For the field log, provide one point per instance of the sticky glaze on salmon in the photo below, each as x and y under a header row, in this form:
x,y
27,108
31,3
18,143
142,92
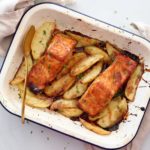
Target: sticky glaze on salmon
x,y
106,85
47,67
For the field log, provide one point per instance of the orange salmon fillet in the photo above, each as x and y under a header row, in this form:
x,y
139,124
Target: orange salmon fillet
x,y
106,85
47,67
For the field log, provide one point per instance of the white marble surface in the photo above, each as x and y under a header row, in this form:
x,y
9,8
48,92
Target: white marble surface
x,y
15,136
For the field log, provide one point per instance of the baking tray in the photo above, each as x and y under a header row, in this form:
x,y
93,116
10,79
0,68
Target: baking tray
x,y
68,19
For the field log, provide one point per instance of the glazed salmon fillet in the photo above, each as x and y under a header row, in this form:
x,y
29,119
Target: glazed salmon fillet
x,y
45,70
106,85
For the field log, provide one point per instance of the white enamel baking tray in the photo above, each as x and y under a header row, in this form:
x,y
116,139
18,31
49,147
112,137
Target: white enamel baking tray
x,y
69,19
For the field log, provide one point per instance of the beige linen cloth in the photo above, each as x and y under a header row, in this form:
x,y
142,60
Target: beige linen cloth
x,y
11,12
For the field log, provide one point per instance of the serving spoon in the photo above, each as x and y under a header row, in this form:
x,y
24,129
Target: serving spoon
x,y
26,52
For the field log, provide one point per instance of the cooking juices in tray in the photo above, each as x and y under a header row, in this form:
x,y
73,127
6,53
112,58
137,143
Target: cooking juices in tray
x,y
80,76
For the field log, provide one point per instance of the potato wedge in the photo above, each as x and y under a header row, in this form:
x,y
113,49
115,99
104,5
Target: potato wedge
x,y
112,114
94,128
91,74
59,86
27,41
41,38
111,50
38,102
32,100
71,112
21,72
82,39
75,59
61,104
85,64
76,91
133,82
93,50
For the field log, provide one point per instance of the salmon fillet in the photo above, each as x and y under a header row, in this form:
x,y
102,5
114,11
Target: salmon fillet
x,y
47,67
61,47
106,85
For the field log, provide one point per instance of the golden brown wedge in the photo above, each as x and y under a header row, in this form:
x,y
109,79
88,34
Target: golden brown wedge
x,y
94,128
41,38
37,101
76,91
59,86
133,82
85,64
92,73
82,39
71,112
21,72
112,51
75,59
93,50
112,114
61,104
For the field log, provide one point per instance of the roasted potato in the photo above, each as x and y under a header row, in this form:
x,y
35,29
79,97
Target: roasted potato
x,y
112,114
133,82
59,86
82,39
76,91
41,38
71,112
21,72
93,50
75,59
37,101
85,64
61,104
94,128
111,50
91,74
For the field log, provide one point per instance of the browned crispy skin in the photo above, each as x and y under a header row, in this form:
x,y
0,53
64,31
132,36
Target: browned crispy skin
x,y
47,67
102,90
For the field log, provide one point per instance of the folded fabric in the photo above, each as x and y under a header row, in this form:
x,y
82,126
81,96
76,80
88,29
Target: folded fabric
x,y
10,14
142,28
9,17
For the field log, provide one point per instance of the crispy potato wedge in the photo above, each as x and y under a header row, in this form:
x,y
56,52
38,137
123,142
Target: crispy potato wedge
x,y
41,38
91,74
92,50
21,72
76,91
61,104
85,64
37,101
71,112
27,41
112,114
94,128
111,50
59,86
82,39
75,59
133,82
